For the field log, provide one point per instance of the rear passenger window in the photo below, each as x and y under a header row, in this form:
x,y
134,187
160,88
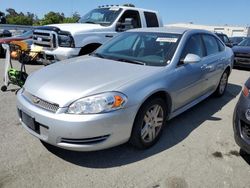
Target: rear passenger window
x,y
151,19
211,44
194,45
221,46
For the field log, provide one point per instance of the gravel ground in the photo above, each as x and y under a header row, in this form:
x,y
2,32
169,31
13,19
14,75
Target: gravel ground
x,y
197,149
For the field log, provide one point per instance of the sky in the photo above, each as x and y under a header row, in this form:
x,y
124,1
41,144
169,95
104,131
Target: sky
x,y
208,12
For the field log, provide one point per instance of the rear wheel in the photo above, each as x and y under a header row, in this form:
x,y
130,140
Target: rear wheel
x,y
149,123
222,85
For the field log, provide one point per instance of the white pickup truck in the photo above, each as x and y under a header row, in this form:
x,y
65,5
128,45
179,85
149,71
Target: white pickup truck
x,y
62,41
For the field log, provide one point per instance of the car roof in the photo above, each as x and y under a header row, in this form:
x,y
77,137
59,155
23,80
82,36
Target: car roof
x,y
168,29
128,7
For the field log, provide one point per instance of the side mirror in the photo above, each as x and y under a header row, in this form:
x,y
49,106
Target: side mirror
x,y
191,58
126,25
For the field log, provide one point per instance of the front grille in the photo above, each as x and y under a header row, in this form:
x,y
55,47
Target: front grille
x,y
40,102
85,141
245,129
243,55
45,38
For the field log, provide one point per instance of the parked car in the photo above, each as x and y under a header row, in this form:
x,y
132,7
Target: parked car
x,y
236,40
125,90
25,36
3,33
63,41
241,119
242,54
225,39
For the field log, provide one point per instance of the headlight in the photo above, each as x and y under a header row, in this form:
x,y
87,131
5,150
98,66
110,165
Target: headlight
x,y
248,114
100,103
66,41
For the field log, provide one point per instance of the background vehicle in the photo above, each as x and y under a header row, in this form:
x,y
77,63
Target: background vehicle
x,y
3,33
236,40
225,39
241,119
62,41
242,53
25,36
125,90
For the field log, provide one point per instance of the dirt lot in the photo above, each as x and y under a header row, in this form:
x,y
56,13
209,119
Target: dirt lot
x,y
197,149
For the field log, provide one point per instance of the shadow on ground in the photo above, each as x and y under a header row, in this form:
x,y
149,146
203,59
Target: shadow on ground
x,y
177,130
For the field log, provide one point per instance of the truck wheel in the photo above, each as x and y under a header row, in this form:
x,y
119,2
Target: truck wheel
x,y
148,123
222,85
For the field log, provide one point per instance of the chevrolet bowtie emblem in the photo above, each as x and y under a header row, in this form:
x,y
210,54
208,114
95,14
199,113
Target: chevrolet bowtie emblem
x,y
36,100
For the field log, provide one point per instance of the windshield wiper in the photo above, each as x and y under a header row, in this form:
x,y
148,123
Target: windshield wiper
x,y
131,61
97,55
90,22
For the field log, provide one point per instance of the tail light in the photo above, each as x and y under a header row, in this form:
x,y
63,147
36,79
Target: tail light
x,y
245,91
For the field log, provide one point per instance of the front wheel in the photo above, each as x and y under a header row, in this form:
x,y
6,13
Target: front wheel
x,y
148,124
222,85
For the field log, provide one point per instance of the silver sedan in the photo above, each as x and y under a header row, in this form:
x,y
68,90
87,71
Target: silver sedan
x,y
126,90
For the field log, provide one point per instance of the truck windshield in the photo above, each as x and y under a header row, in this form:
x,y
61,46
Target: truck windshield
x,y
245,42
146,48
102,16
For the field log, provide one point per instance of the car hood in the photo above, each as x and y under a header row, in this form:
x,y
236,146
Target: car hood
x,y
66,81
241,49
75,28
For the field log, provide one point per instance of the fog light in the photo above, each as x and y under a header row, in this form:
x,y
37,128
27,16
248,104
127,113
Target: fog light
x,y
248,114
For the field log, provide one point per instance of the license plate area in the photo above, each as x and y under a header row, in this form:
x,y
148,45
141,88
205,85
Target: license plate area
x,y
30,122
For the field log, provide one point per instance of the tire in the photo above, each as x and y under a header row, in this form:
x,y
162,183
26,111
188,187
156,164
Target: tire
x,y
146,129
4,88
222,85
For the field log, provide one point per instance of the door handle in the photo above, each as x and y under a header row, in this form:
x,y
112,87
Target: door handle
x,y
207,67
109,36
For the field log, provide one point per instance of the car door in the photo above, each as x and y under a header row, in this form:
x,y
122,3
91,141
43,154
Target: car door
x,y
213,62
189,78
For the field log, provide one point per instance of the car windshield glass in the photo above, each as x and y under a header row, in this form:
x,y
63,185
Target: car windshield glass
x,y
26,34
245,42
145,48
102,16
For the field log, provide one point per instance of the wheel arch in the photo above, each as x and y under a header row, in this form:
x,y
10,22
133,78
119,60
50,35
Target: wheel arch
x,y
159,94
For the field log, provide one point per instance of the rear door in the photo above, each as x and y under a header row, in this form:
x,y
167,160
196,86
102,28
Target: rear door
x,y
213,61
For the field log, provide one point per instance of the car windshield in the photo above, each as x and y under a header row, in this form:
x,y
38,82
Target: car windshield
x,y
245,42
26,34
153,49
102,16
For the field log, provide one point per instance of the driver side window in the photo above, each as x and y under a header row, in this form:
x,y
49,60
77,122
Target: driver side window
x,y
194,45
136,21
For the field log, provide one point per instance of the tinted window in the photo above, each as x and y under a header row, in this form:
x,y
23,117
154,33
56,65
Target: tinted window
x,y
226,40
151,19
221,46
210,44
194,45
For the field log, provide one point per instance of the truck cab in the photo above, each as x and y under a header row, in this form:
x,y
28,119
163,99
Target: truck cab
x,y
63,41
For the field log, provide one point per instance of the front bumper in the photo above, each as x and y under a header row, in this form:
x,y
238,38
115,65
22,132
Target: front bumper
x,y
240,123
242,61
79,132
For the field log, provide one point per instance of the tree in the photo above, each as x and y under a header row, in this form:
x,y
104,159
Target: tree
x,y
2,18
52,18
12,17
73,19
